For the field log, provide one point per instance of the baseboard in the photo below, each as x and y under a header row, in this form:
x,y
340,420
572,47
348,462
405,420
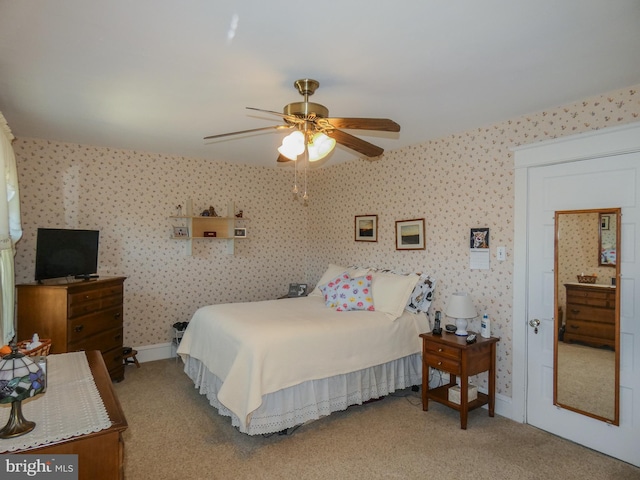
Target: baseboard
x,y
160,351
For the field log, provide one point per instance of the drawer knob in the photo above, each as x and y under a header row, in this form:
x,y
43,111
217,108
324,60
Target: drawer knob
x,y
117,315
87,297
439,349
575,311
439,363
78,328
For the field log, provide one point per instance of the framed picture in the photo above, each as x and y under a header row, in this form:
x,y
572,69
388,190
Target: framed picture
x,y
181,232
479,238
366,227
604,222
410,234
297,290
240,233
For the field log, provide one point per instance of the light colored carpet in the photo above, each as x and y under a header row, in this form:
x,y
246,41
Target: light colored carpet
x,y
586,379
175,434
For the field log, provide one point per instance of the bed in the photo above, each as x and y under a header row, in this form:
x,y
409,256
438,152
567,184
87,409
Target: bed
x,y
276,364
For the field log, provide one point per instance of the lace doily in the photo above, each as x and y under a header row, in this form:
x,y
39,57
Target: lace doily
x,y
71,405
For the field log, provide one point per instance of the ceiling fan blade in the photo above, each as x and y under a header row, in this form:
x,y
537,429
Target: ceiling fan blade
x,y
276,127
383,124
288,118
354,143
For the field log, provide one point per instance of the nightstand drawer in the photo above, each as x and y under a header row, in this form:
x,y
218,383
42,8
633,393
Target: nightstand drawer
x,y
441,362
443,350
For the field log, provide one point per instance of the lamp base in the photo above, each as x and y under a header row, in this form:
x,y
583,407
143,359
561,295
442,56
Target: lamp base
x,y
461,324
17,425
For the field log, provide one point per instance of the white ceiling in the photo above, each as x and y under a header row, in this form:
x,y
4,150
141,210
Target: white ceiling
x,y
159,75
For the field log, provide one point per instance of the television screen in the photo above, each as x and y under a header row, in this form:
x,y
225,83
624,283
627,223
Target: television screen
x,y
66,252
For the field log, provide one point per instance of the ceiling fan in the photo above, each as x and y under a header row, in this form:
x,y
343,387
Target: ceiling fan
x,y
318,132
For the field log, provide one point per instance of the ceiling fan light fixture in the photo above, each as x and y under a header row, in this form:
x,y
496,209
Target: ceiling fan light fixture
x,y
292,145
320,146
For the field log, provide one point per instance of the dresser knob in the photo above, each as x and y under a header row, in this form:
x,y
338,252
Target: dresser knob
x,y
439,349
78,328
439,363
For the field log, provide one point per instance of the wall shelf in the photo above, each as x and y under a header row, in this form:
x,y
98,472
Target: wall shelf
x,y
208,228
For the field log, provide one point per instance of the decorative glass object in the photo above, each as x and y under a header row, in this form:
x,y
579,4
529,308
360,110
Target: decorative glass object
x,y
20,379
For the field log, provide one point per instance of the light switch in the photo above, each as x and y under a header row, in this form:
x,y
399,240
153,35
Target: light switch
x,y
501,254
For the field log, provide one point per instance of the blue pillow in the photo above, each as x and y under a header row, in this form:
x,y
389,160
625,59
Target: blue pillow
x,y
355,294
329,289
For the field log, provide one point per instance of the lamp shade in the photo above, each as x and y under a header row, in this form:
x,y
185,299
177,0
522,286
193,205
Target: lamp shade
x,y
460,306
320,146
20,379
292,145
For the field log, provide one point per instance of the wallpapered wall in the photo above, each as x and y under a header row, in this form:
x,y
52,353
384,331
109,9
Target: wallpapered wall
x,y
129,197
455,183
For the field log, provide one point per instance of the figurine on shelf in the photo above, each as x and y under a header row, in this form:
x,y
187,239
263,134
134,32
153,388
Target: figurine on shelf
x,y
212,212
205,213
239,214
179,211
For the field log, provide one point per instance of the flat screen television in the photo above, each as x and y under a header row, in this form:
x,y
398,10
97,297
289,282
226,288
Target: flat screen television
x,y
65,252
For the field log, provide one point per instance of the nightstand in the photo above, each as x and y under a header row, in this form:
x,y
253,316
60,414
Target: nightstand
x,y
452,354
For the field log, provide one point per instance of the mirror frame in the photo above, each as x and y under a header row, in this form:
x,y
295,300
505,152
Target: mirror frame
x,y
617,212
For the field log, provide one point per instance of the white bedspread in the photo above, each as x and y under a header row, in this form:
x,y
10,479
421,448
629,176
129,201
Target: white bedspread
x,y
258,348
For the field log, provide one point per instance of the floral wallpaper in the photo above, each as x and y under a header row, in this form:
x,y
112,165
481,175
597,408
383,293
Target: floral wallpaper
x,y
455,183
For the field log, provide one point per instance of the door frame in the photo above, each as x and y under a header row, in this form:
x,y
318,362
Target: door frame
x,y
602,143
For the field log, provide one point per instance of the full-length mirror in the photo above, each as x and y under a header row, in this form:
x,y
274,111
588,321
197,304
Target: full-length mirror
x,y
587,314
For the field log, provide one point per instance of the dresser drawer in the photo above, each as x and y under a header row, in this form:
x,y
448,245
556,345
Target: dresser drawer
x,y
103,341
588,313
590,329
603,299
88,325
115,363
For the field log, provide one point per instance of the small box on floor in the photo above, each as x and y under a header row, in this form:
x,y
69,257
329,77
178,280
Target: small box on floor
x,y
454,394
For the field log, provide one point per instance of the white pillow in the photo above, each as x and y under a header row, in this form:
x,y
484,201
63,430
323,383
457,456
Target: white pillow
x,y
332,272
391,292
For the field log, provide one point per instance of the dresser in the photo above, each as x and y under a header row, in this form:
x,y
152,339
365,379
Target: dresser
x,y
101,453
76,315
590,314
452,354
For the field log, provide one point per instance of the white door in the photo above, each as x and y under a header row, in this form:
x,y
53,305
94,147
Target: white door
x,y
608,182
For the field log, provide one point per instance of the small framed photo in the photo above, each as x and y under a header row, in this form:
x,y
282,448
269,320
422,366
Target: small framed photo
x,y
297,290
479,238
366,228
180,232
604,222
240,233
410,234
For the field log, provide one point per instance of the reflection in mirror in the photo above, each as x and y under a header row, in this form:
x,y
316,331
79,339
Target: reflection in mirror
x,y
607,240
587,360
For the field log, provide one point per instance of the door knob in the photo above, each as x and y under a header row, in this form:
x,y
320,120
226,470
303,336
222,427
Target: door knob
x,y
535,323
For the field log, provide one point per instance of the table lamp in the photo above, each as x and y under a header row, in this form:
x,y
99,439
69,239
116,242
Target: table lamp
x,y
460,307
20,379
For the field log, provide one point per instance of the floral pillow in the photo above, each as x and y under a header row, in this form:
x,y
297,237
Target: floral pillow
x,y
355,294
329,289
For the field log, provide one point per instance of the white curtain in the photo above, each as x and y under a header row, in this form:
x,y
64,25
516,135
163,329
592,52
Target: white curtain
x,y
10,231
